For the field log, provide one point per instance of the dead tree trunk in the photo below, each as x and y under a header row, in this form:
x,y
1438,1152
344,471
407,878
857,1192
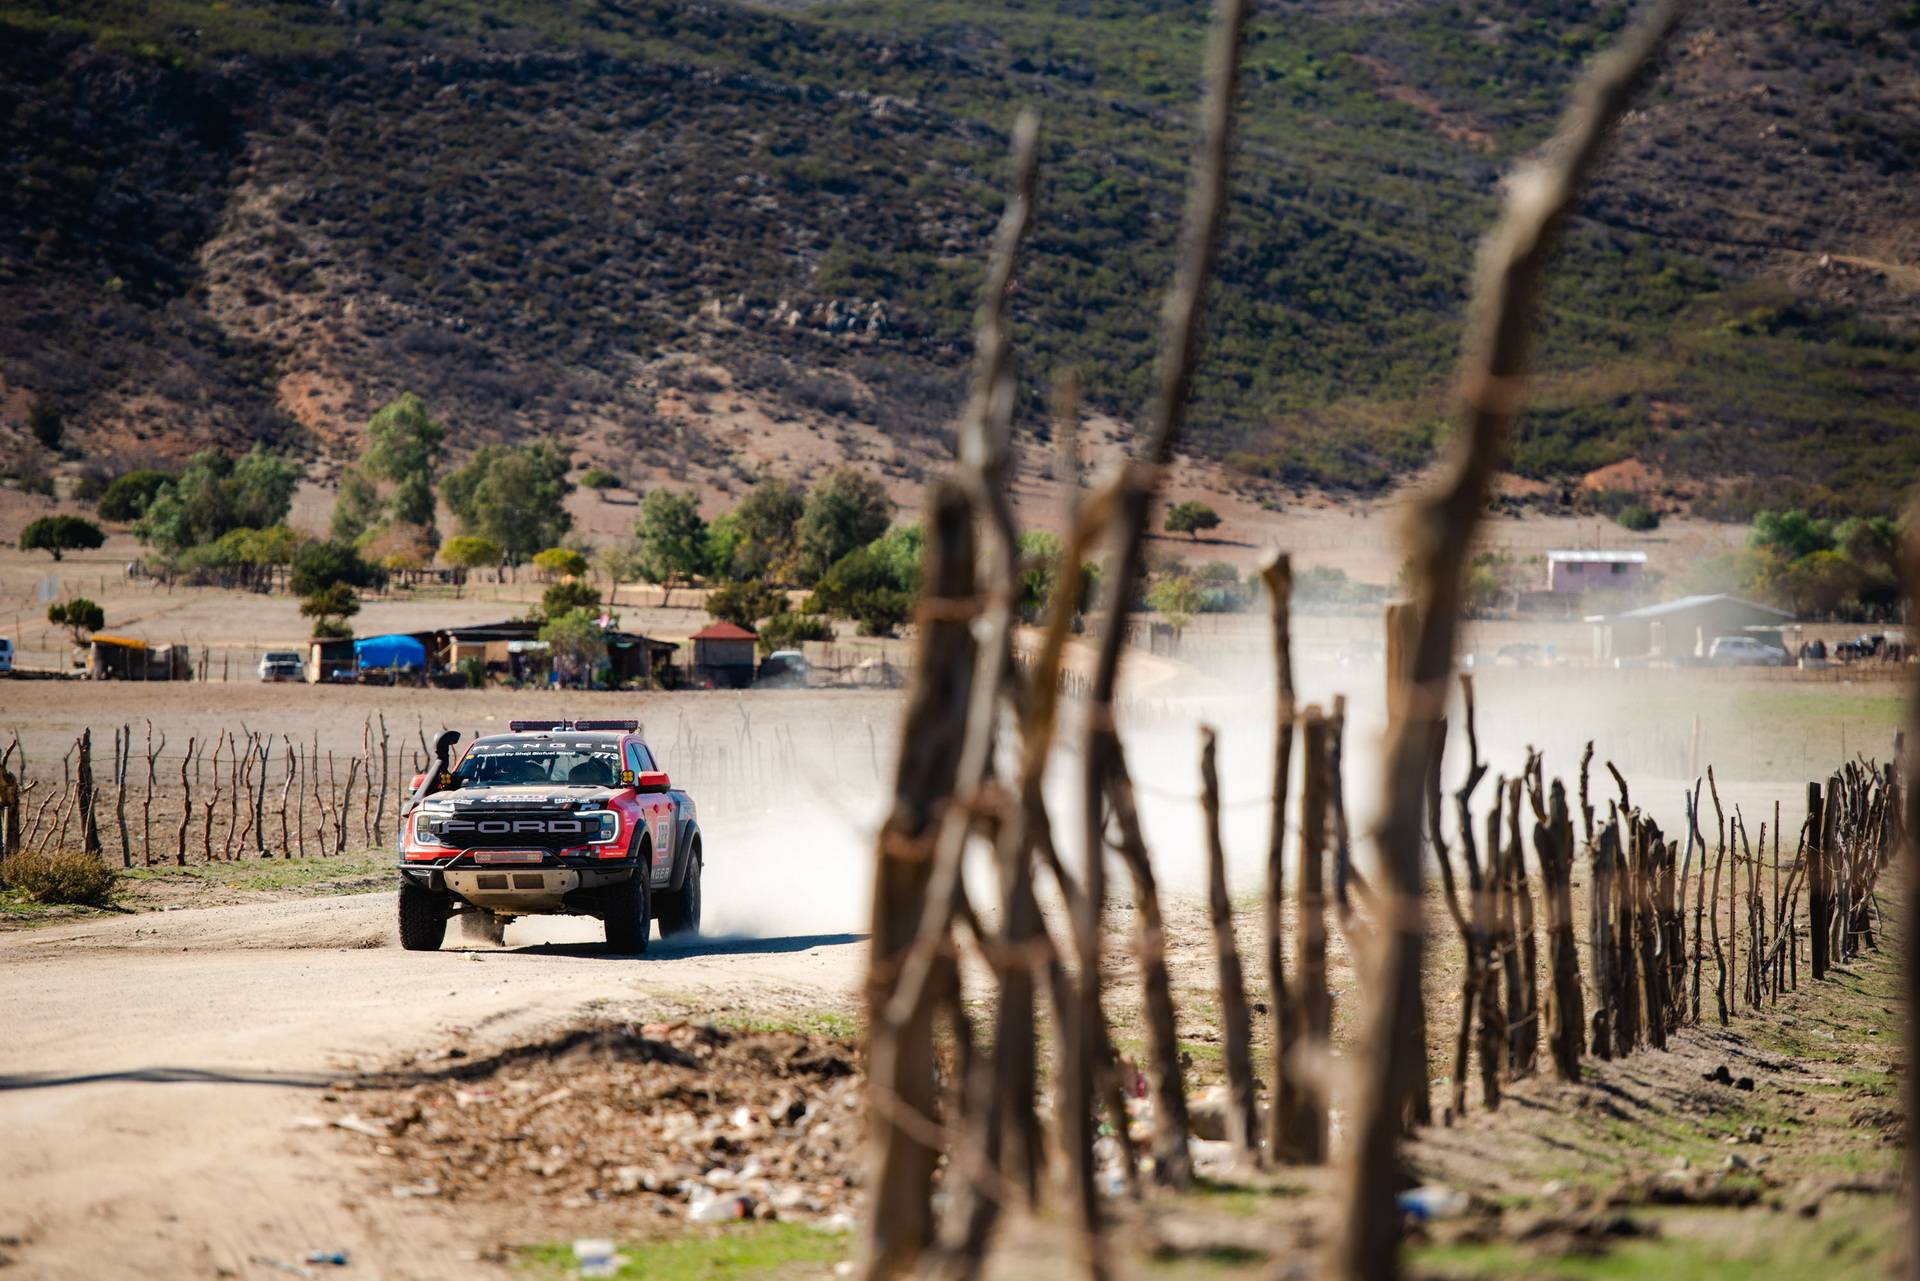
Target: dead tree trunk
x,y
1286,1099
1308,1143
1553,845
84,797
1243,1123
1172,1155
901,1092
186,807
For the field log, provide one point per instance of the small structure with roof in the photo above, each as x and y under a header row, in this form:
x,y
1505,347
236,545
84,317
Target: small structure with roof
x,y
723,656
127,658
1682,630
1571,573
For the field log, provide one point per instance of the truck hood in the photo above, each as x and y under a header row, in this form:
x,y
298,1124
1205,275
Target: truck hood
x,y
522,796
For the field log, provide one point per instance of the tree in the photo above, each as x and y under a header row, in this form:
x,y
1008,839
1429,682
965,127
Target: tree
x,y
127,496
1191,517
397,545
1637,517
329,608
621,564
788,631
79,616
576,642
1178,598
517,497
60,534
561,562
568,595
403,447
845,511
671,538
260,490
765,520
745,602
321,564
358,507
215,493
863,586
46,424
1817,583
720,546
1790,534
470,551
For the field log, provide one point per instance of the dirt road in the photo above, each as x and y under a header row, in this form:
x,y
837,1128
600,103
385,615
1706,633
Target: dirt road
x,y
162,1074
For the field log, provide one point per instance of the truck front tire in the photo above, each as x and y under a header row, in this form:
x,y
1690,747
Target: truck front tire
x,y
627,915
423,918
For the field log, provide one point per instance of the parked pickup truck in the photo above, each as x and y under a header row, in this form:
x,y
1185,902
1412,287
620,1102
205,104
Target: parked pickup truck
x,y
553,818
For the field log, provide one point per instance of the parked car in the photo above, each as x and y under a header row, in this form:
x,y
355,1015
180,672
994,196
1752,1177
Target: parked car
x,y
1519,654
6,655
784,669
282,665
1744,651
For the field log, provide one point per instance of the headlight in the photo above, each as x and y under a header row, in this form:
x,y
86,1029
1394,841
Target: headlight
x,y
424,832
602,826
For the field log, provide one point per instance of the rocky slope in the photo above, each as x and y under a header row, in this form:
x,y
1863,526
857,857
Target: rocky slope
x,y
654,226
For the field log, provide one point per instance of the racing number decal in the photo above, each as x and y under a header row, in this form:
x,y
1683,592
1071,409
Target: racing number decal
x,y
663,845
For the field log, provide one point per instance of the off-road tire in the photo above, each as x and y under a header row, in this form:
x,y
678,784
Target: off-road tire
x,y
626,912
680,912
423,918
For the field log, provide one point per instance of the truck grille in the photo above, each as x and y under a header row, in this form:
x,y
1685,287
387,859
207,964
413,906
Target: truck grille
x,y
514,830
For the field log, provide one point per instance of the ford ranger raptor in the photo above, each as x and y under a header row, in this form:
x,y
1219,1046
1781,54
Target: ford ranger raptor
x,y
554,818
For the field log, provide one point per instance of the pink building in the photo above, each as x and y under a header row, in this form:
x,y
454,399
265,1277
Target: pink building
x,y
1571,573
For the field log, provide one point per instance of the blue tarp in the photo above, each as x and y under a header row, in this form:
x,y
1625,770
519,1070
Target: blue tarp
x,y
389,652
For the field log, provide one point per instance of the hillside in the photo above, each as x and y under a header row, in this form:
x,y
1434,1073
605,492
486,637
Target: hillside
x,y
699,239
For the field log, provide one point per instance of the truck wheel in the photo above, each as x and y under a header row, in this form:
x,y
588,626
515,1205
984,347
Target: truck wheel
x,y
680,913
627,915
423,918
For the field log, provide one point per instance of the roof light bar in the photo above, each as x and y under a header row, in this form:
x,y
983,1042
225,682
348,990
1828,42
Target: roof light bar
x,y
629,726
522,727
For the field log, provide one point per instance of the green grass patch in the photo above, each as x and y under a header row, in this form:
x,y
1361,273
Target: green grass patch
x,y
716,1254
1853,1238
830,1023
264,875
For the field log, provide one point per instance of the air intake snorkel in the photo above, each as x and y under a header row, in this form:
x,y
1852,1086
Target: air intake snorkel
x,y
440,777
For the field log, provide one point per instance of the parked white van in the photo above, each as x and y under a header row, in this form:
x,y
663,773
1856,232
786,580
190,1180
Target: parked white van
x,y
6,656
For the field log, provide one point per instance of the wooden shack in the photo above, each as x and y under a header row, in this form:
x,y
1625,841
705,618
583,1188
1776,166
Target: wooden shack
x,y
126,658
723,656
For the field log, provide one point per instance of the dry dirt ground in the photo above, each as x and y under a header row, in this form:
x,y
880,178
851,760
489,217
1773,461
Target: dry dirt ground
x,y
216,1092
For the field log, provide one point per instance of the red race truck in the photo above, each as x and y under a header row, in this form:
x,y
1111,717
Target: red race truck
x,y
567,818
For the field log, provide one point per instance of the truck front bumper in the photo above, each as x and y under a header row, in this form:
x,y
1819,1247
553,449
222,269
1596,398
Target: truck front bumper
x,y
516,891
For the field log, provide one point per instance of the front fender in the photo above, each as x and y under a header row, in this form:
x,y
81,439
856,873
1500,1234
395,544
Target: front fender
x,y
685,841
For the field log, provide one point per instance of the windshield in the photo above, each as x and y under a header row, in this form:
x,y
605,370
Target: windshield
x,y
563,763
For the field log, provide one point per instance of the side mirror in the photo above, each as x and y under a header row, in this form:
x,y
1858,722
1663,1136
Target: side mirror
x,y
652,780
414,784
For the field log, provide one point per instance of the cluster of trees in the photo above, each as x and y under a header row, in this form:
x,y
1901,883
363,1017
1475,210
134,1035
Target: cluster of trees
x,y
1812,565
835,538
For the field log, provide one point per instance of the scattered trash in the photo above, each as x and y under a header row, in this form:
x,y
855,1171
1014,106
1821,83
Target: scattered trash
x,y
1719,1076
839,1221
720,1209
1433,1202
1207,1113
281,1265
336,1258
355,1124
426,1187
1210,1156
595,1257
